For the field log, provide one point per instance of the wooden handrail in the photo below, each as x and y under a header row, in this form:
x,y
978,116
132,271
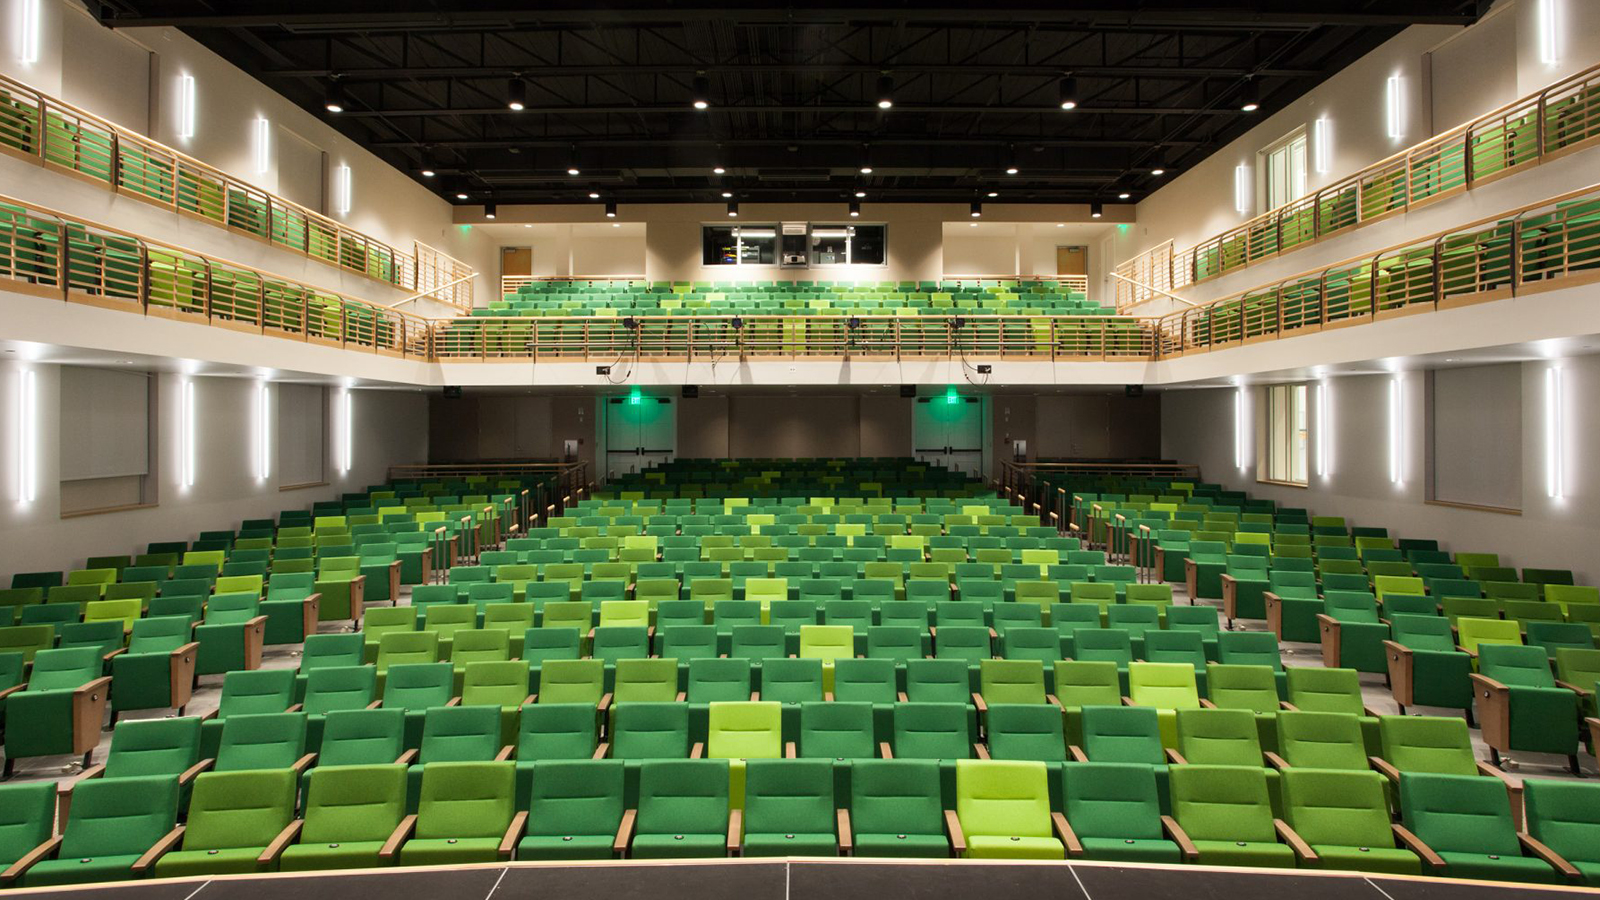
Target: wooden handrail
x,y
1424,172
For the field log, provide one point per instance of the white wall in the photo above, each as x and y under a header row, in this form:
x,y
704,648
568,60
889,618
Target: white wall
x,y
1476,69
100,69
1198,426
387,426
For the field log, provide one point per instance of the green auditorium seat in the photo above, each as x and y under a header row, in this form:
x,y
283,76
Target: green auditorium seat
x,y
1463,829
60,710
895,810
576,811
788,809
158,669
1520,706
27,823
1226,812
1342,820
465,815
239,822
168,749
683,810
353,819
1003,812
1564,819
116,830
1113,813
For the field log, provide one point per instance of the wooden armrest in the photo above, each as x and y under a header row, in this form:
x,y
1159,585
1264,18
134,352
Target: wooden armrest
x,y
94,771
1180,837
605,701
303,763
789,751
406,758
1415,845
735,831
108,657
504,754
453,701
1488,684
1572,687
17,687
529,700
977,700
901,697
1068,837
1077,753
952,825
43,851
601,750
755,696
1274,760
284,839
194,771
508,844
1175,758
1513,782
842,820
376,704
684,695
1053,700
1128,701
157,850
698,751
1384,768
1226,578
884,751
1567,870
397,836
980,751
1207,704
208,715
624,832
1369,712
1302,850
298,707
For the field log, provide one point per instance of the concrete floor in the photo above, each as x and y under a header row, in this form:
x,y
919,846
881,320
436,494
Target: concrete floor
x,y
1376,695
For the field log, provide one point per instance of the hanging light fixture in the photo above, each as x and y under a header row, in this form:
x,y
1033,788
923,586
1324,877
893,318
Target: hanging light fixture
x,y
1068,92
335,100
611,209
701,98
517,94
1250,95
885,91
733,209
976,209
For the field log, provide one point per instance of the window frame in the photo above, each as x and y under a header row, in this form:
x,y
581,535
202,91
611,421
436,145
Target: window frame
x,y
1294,188
1285,427
738,245
850,240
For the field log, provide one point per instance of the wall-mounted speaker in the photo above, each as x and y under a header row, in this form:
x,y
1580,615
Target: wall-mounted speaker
x,y
452,392
908,390
691,391
1133,390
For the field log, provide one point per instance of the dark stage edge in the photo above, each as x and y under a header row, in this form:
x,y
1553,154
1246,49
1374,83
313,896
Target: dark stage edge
x,y
841,879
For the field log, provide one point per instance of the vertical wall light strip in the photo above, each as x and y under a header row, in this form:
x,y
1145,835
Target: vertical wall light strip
x,y
27,437
1238,429
1322,426
1392,111
347,441
1547,33
28,32
1322,145
342,190
188,448
1553,437
1241,188
186,106
263,142
1396,432
263,431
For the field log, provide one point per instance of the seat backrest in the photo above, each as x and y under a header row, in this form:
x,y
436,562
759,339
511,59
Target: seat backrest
x,y
502,683
937,681
648,730
995,797
895,796
330,688
1112,800
931,731
1318,689
358,737
683,796
460,734
1564,816
1087,683
578,797
256,691
27,818
789,796
556,731
827,642
1163,685
239,810
1219,737
466,800
836,730
1011,681
864,680
353,803
1122,734
163,747
744,730
1341,809
1459,814
1436,744
1222,803
572,681
417,686
1321,740
1516,666
263,741
64,669
1026,731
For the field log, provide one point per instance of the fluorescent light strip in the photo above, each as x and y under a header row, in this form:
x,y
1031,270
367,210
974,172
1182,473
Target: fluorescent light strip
x,y
188,434
1392,106
1547,33
342,190
1396,435
263,145
1241,188
1322,145
28,37
1323,419
1553,433
263,431
186,106
349,433
1238,429
27,437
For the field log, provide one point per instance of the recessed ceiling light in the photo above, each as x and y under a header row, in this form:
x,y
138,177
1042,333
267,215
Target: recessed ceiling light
x,y
727,194
461,195
718,170
861,193
1124,195
994,193
594,195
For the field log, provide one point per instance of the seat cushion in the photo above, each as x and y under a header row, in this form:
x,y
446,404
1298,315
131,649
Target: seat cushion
x,y
449,851
679,846
1389,860
918,846
1131,850
1498,868
798,844
1245,853
79,871
335,855
999,846
565,846
208,862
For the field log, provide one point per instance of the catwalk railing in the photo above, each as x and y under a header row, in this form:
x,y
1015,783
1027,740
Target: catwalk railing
x,y
1546,245
1558,120
58,135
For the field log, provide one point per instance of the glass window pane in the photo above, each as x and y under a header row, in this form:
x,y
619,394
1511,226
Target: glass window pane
x,y
758,245
718,246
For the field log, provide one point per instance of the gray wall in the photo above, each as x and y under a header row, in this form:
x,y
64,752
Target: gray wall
x,y
794,426
1086,425
1197,426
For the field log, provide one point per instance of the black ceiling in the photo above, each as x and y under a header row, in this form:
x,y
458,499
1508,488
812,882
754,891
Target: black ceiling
x,y
793,88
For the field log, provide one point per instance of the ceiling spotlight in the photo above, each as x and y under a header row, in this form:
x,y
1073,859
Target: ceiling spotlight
x,y
718,170
1011,169
702,92
594,195
1069,93
611,209
572,161
461,195
1159,167
574,170
1096,210
976,209
733,209
334,100
993,194
517,94
866,160
1250,95
885,92
1124,195
727,194
861,193
428,172
490,211
855,209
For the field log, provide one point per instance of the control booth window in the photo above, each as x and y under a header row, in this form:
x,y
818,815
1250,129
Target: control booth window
x,y
1286,433
849,245
739,245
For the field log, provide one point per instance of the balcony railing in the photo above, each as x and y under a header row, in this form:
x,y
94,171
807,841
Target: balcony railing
x,y
511,284
36,126
1561,119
